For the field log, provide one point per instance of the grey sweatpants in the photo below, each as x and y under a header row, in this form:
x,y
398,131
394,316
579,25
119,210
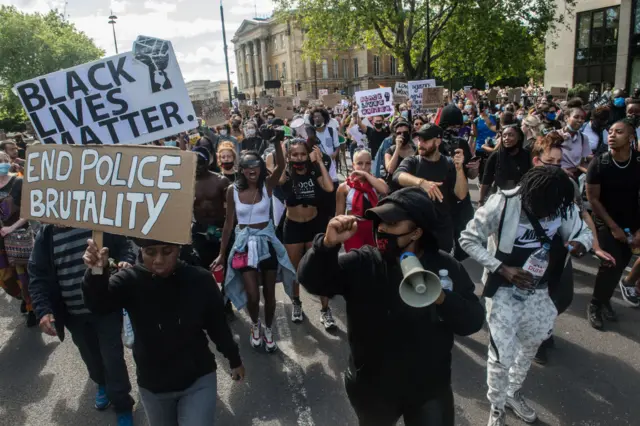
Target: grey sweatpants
x,y
194,406
517,329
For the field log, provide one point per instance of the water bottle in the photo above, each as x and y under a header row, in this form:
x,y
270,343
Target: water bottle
x,y
445,281
627,232
127,331
536,264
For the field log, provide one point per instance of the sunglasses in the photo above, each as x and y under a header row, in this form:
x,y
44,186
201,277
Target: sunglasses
x,y
249,164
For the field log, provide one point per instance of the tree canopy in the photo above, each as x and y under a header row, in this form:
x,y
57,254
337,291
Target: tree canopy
x,y
494,39
36,44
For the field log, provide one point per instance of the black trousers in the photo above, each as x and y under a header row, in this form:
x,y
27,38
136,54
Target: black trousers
x,y
99,340
374,408
608,277
562,293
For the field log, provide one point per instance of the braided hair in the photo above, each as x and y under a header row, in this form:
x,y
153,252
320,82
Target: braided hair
x,y
547,192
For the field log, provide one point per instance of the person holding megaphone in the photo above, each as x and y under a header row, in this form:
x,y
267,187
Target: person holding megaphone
x,y
400,319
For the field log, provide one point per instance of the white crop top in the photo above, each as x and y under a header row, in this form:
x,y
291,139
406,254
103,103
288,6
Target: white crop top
x,y
251,214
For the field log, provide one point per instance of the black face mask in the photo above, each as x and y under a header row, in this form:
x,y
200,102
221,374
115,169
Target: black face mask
x,y
378,125
388,244
298,165
228,166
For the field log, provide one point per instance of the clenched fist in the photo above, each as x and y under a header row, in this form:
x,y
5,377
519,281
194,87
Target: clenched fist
x,y
339,230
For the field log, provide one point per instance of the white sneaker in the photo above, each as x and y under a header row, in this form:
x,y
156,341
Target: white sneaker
x,y
497,417
297,315
521,407
269,342
629,294
255,337
326,318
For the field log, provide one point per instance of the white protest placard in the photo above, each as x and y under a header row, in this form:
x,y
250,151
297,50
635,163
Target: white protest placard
x,y
130,98
374,102
137,191
322,92
415,92
356,135
401,89
515,95
559,92
345,103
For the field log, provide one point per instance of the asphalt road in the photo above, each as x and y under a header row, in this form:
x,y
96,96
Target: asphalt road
x,y
591,379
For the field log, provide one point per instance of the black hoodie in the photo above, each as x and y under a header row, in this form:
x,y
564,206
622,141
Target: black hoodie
x,y
169,318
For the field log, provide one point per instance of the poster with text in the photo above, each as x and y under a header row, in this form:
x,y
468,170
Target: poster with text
x,y
374,102
331,100
432,97
401,89
415,92
137,191
130,98
283,107
559,92
322,92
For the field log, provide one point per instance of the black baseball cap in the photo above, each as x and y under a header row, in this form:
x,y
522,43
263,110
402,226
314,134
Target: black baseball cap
x,y
429,131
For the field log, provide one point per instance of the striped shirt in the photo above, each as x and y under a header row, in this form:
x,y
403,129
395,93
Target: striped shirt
x,y
69,245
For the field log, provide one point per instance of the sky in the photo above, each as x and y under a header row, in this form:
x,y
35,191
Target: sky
x,y
193,26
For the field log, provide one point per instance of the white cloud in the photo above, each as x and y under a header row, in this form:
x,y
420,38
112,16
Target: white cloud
x,y
160,6
118,6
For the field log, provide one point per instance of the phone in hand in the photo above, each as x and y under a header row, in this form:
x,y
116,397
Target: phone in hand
x,y
474,158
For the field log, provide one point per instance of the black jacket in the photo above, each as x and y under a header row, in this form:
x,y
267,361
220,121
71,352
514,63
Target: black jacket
x,y
403,352
44,288
169,318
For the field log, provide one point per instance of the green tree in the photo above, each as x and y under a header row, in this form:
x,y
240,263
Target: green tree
x,y
488,38
34,44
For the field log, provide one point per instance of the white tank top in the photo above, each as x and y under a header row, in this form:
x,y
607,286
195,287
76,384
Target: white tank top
x,y
350,194
251,214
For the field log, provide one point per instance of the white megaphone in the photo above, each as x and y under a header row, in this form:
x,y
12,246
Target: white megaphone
x,y
419,287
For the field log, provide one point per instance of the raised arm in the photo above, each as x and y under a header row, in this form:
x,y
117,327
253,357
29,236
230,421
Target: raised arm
x,y
274,179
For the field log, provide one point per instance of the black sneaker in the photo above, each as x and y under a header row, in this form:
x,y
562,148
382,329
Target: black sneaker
x,y
23,307
594,315
608,313
32,321
541,357
550,342
629,294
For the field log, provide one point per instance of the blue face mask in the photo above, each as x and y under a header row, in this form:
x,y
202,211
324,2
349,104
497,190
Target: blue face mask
x,y
465,118
551,116
498,107
170,143
405,114
618,102
4,169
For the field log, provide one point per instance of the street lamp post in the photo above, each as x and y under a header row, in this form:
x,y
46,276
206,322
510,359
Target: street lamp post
x,y
112,21
226,56
282,83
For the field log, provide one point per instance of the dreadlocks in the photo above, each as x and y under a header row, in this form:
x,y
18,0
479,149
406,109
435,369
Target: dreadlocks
x,y
546,192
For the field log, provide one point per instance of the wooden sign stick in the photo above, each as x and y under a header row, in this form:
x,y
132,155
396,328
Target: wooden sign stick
x,y
98,238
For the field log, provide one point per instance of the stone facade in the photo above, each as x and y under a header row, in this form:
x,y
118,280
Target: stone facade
x,y
266,49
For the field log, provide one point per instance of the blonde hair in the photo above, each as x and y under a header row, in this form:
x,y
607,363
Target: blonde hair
x,y
226,146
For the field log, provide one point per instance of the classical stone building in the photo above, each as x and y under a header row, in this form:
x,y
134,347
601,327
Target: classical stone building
x,y
200,90
267,49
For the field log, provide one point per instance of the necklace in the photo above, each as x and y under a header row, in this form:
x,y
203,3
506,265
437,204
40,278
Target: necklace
x,y
618,165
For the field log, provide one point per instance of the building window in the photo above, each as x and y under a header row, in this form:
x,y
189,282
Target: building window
x,y
596,46
355,68
335,68
269,75
345,68
275,43
277,76
284,70
282,41
376,65
325,69
393,65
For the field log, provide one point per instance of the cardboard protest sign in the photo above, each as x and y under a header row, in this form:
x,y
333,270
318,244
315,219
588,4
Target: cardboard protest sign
x,y
265,102
400,99
283,107
515,95
323,92
302,95
331,100
432,97
560,92
374,102
338,109
401,89
493,95
144,192
131,98
415,92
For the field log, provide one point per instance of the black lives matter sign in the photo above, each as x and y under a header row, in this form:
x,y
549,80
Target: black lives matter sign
x,y
131,98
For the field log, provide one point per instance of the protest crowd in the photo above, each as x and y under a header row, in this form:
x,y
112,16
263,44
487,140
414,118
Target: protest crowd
x,y
339,201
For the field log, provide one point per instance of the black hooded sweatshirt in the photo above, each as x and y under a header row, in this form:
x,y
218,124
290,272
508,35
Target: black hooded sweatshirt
x,y
169,318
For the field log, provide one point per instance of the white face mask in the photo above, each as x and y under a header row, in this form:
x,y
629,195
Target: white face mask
x,y
250,132
223,132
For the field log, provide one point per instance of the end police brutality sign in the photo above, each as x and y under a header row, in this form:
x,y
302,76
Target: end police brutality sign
x,y
131,98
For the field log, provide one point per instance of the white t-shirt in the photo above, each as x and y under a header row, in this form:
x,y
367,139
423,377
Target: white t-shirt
x,y
329,145
526,236
593,136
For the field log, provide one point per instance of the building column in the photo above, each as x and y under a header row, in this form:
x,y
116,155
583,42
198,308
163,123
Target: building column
x,y
238,53
248,58
256,64
245,77
263,52
622,57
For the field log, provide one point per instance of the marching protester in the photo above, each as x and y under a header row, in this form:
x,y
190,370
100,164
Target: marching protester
x,y
376,134
356,195
236,131
633,114
596,130
17,164
618,106
396,153
227,160
304,183
405,377
256,256
576,148
56,272
327,139
442,178
613,182
252,140
16,242
503,236
400,127
505,166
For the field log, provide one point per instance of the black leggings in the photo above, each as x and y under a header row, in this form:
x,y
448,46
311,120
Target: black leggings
x,y
374,409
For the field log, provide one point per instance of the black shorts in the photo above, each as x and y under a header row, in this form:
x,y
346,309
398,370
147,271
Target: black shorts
x,y
269,264
301,232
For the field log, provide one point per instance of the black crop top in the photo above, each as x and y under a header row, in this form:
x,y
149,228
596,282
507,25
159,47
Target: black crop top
x,y
302,189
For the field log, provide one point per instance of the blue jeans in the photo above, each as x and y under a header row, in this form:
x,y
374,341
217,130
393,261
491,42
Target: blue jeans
x,y
194,406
